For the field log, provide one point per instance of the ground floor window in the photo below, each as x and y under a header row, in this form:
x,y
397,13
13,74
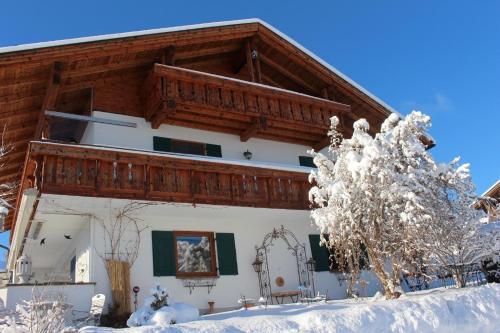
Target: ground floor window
x,y
186,254
194,253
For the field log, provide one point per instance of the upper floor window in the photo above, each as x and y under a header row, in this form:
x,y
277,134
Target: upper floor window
x,y
307,161
186,147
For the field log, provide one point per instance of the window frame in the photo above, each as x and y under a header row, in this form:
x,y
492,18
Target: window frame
x,y
204,148
213,257
304,158
201,145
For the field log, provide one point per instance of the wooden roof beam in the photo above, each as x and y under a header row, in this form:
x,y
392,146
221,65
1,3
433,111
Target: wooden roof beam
x,y
256,59
249,61
283,71
165,111
258,124
168,56
49,102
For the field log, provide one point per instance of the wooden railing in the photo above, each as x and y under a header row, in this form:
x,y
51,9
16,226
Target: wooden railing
x,y
90,171
173,87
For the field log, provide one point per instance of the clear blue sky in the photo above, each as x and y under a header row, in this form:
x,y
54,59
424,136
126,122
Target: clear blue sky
x,y
442,57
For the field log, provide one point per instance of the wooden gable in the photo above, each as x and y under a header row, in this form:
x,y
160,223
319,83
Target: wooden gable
x,y
110,74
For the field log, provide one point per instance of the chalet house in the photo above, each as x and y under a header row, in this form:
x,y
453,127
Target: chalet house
x,y
207,127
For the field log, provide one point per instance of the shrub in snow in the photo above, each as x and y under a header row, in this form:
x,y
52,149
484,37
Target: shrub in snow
x,y
365,197
159,312
386,195
38,316
453,238
158,298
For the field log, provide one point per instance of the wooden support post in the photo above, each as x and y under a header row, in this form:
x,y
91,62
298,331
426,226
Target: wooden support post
x,y
324,93
258,124
256,59
248,51
49,101
165,110
330,92
322,143
168,56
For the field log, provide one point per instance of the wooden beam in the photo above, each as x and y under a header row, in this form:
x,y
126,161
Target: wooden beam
x,y
257,125
256,59
285,72
168,56
248,53
322,143
166,110
49,102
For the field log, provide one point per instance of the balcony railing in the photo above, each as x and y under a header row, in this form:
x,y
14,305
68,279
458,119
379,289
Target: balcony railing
x,y
104,172
174,93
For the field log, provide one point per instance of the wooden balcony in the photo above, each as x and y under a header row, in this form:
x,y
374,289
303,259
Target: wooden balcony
x,y
191,98
114,173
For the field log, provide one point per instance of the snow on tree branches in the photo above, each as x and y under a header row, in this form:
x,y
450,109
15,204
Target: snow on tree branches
x,y
380,194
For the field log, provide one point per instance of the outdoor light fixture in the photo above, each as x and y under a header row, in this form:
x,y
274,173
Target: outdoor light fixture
x,y
248,154
257,265
23,269
311,264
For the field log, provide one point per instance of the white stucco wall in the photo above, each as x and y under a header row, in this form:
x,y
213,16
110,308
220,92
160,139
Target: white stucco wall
x,y
249,226
78,295
232,148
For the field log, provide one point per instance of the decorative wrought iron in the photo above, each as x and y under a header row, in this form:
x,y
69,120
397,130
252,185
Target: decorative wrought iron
x,y
297,249
209,283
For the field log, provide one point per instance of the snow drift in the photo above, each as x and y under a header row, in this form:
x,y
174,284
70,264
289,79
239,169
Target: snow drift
x,y
464,310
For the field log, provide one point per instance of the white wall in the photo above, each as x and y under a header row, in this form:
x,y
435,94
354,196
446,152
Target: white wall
x,y
232,148
249,226
78,295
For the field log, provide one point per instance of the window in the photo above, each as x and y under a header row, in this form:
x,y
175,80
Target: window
x,y
325,258
186,147
307,161
186,254
194,253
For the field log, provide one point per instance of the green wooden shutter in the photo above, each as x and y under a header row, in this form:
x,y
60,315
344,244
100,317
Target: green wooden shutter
x,y
162,144
364,261
226,254
163,253
319,253
214,150
307,161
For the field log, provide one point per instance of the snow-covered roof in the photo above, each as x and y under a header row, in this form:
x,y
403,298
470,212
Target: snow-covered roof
x,y
492,188
71,41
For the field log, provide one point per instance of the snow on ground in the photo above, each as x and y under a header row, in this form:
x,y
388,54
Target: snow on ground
x,y
475,309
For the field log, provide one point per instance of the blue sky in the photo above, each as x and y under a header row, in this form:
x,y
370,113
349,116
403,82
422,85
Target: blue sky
x,y
441,57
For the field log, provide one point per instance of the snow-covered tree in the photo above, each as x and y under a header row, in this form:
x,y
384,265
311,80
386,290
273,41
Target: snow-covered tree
x,y
453,239
367,194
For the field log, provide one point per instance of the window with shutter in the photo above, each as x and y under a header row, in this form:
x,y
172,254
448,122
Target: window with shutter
x,y
163,253
226,254
307,161
186,147
320,254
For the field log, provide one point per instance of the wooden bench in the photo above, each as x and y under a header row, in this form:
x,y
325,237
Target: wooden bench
x,y
287,293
